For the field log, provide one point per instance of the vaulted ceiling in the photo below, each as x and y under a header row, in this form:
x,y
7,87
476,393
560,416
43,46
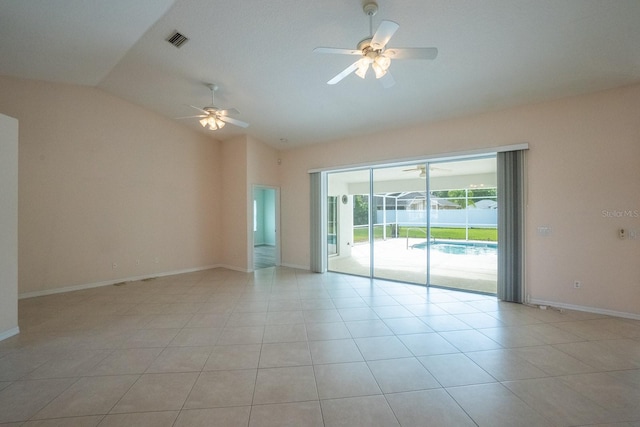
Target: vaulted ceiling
x,y
493,54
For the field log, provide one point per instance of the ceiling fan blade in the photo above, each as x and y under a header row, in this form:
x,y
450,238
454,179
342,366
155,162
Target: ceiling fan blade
x,y
350,69
387,80
412,53
199,109
228,111
419,167
235,122
385,30
337,50
192,117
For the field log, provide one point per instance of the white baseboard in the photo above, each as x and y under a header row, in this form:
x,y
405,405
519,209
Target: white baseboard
x,y
242,270
297,267
594,310
235,268
8,334
136,278
111,282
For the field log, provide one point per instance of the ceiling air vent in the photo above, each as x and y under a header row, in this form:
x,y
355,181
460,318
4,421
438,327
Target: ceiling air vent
x,y
177,39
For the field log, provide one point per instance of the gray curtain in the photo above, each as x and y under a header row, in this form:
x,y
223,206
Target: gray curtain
x,y
318,237
511,226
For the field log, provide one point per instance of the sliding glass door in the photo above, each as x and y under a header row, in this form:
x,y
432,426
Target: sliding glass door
x,y
426,223
463,236
399,217
350,252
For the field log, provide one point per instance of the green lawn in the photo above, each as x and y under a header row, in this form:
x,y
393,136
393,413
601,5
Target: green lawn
x,y
482,234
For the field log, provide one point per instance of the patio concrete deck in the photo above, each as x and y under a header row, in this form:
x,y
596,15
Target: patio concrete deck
x,y
397,260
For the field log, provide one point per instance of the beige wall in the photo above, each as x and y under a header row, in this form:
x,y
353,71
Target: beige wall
x,y
262,170
102,181
8,226
583,160
247,162
262,164
234,206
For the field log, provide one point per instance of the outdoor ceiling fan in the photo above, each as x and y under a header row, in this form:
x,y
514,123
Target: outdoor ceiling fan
x,y
373,51
423,170
213,117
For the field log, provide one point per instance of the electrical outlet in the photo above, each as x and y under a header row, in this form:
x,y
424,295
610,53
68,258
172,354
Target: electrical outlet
x,y
577,284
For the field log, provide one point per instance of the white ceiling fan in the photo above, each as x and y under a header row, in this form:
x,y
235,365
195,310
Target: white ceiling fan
x,y
213,117
373,51
423,170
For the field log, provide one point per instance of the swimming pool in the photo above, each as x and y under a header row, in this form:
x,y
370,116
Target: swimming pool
x,y
461,248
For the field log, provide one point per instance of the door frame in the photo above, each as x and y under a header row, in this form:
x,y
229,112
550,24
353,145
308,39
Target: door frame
x,y
373,193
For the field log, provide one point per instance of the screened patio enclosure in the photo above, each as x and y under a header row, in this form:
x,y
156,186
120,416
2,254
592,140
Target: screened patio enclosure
x,y
424,223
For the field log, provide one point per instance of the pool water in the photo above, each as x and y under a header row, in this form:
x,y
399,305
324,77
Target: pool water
x,y
461,248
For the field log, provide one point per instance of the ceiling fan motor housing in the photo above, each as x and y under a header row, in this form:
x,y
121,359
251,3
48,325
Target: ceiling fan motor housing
x,y
364,45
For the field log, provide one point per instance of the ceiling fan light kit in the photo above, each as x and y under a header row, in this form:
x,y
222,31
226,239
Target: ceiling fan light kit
x,y
373,51
212,122
214,118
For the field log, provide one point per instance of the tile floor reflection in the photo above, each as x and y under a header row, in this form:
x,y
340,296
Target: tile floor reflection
x,y
288,347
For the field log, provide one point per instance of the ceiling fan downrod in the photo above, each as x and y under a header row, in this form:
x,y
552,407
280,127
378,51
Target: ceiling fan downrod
x,y
370,9
213,88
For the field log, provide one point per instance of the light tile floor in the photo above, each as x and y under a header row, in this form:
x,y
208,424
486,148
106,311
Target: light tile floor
x,y
288,347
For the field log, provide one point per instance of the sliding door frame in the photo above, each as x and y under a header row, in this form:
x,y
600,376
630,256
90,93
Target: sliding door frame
x,y
318,230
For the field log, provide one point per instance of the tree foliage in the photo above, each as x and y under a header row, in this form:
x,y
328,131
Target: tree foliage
x,y
360,209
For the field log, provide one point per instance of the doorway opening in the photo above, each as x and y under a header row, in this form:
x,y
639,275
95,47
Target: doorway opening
x,y
265,227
